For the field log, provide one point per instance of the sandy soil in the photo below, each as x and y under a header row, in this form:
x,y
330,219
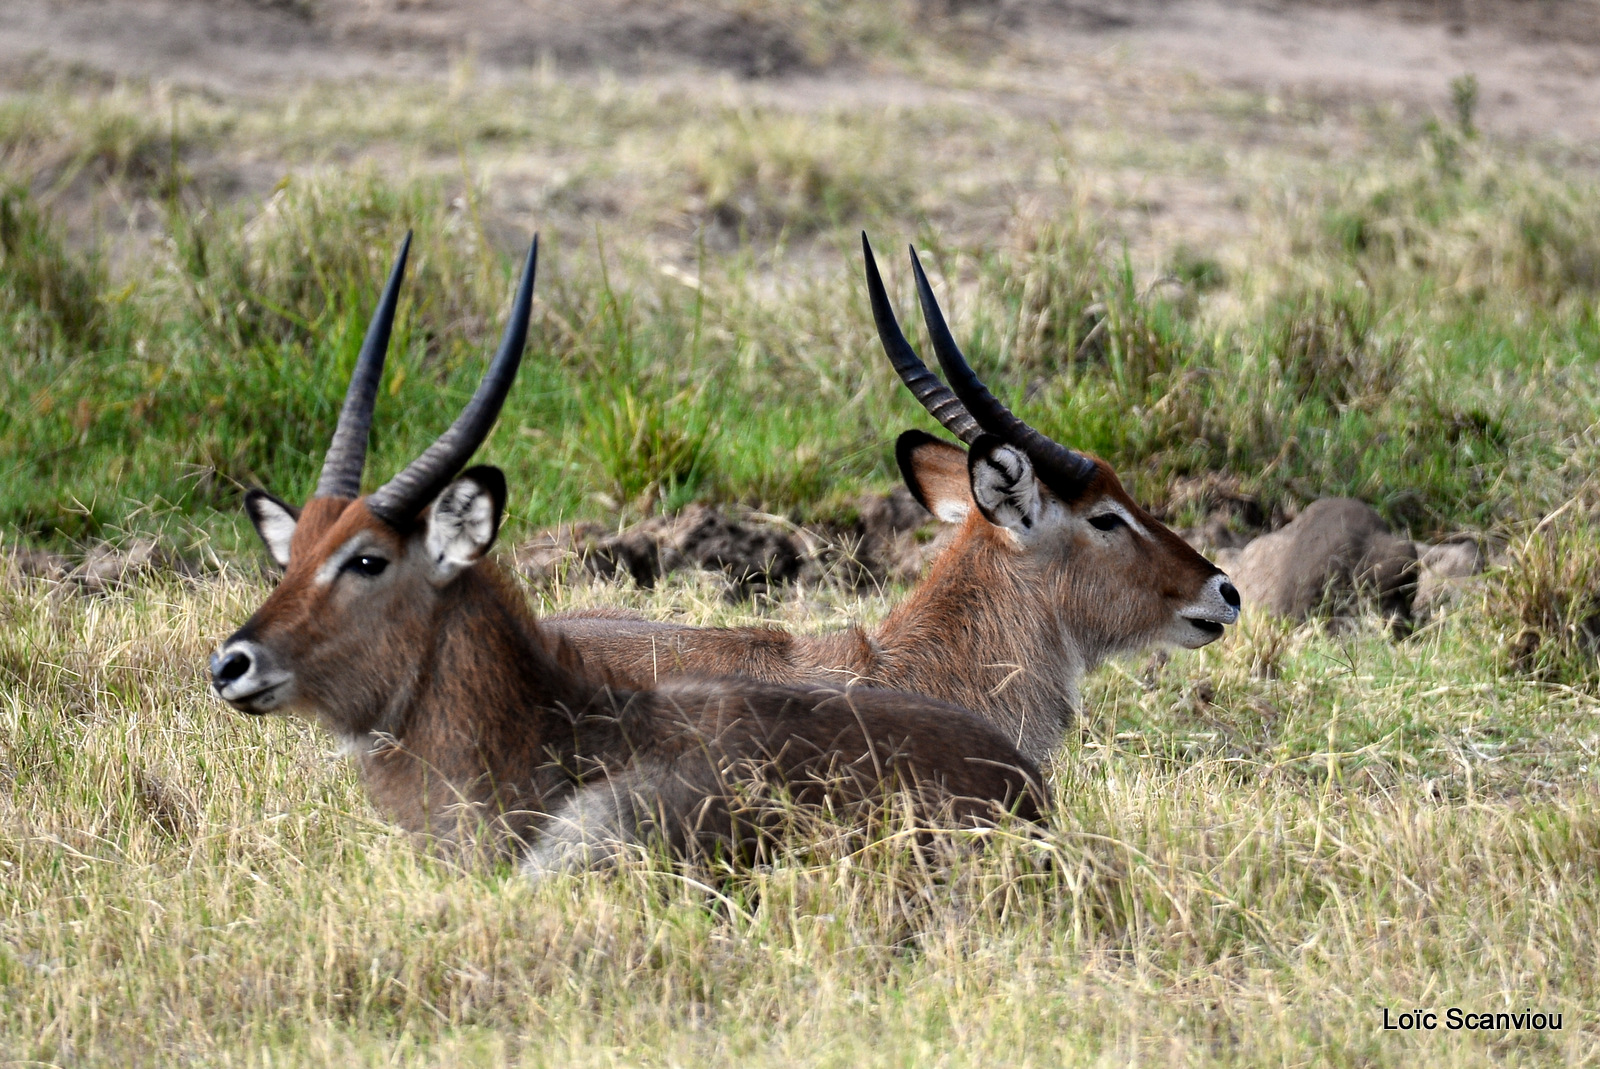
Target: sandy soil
x,y
1537,61
1119,68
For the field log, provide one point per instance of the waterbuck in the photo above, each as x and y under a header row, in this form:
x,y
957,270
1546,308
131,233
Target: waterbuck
x,y
1050,567
475,725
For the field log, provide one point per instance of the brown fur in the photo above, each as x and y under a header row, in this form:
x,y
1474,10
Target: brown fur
x,y
999,627
466,717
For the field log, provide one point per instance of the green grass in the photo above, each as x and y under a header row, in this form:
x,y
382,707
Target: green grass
x,y
1403,348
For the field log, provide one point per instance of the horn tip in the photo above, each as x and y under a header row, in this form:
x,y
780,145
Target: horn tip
x,y
916,268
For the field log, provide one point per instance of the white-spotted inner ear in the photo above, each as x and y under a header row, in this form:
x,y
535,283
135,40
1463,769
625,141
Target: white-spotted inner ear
x,y
274,522
461,527
951,510
1005,489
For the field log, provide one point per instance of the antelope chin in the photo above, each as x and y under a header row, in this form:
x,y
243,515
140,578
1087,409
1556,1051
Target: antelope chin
x,y
265,700
258,703
1209,631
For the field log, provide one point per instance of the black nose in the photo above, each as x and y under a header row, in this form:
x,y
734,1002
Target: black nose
x,y
1230,593
225,670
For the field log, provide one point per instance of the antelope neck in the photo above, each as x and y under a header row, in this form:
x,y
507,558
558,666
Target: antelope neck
x,y
495,713
968,610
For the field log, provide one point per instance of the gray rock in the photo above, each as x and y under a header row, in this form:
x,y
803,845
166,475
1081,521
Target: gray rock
x,y
1214,536
1336,549
107,566
889,547
103,567
34,563
1445,569
1226,559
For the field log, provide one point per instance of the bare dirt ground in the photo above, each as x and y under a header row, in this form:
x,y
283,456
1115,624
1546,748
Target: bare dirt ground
x,y
1537,61
1229,79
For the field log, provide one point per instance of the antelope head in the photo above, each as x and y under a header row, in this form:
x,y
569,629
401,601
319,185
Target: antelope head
x,y
365,579
1058,520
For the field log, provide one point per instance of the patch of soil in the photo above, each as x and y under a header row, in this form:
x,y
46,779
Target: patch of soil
x,y
1537,61
103,567
1570,21
246,44
751,552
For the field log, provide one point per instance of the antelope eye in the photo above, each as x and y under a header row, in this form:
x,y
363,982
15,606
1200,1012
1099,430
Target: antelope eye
x,y
366,564
1107,521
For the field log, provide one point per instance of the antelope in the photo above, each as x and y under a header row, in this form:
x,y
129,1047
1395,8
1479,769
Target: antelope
x,y
478,728
1048,568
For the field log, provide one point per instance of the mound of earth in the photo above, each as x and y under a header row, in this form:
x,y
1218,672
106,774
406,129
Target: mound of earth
x,y
750,551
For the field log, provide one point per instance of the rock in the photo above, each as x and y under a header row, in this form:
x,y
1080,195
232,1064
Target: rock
x,y
1334,550
889,526
106,566
34,563
1444,570
546,555
103,567
1214,536
751,555
1221,498
598,550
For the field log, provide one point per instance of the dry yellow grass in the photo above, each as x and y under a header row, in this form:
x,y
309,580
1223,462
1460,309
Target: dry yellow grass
x,y
1241,882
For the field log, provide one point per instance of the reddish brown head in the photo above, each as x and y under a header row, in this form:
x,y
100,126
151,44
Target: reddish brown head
x,y
1057,523
365,580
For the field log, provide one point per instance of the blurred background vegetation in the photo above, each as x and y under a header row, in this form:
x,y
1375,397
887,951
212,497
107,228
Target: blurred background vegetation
x,y
1416,327
1290,298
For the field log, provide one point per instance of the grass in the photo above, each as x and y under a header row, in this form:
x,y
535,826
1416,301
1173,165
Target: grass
x,y
1256,848
1242,879
1375,352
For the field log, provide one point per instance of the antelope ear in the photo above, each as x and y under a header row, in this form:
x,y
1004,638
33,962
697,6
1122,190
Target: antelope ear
x,y
936,474
274,521
1004,486
463,521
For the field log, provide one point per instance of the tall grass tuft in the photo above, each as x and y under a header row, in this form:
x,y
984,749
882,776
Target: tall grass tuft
x,y
653,450
1547,599
764,173
1052,285
1329,346
50,296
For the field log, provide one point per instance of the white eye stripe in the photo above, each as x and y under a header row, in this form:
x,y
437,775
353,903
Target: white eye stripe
x,y
336,561
1117,510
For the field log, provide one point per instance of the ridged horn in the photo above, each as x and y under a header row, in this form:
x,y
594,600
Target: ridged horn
x,y
347,455
1067,469
924,385
399,500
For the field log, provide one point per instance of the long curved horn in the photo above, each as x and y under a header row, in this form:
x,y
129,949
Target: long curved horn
x,y
405,495
924,385
347,454
1070,469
